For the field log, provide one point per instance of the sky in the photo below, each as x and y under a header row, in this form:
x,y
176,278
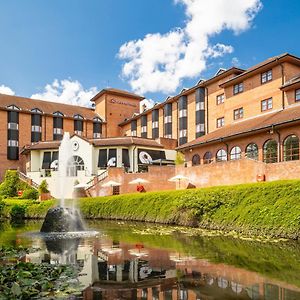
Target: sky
x,y
67,50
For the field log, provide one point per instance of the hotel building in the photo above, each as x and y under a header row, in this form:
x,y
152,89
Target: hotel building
x,y
239,119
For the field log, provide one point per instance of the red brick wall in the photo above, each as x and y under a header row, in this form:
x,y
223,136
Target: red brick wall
x,y
157,177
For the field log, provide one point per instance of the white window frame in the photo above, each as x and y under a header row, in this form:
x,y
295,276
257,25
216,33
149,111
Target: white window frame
x,y
183,113
12,125
200,128
200,106
168,136
182,133
266,76
36,128
78,132
57,130
267,104
144,129
168,119
154,124
133,133
96,135
238,88
220,99
13,143
220,122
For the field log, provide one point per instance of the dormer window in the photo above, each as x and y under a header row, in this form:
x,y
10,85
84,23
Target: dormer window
x,y
13,133
97,128
238,88
78,125
36,125
58,125
13,107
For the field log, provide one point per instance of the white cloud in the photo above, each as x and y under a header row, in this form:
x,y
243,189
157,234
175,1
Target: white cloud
x,y
236,62
6,90
159,62
146,104
67,91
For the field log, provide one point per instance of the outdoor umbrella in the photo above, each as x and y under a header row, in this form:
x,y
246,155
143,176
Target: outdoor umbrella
x,y
111,183
178,178
138,181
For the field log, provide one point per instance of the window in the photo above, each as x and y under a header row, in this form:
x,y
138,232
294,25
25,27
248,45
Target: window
x,y
97,128
238,88
13,133
200,128
266,76
58,123
78,124
195,160
238,113
291,148
220,122
221,155
235,153
199,106
168,119
144,129
207,158
155,124
182,133
252,151
168,136
134,128
270,151
182,113
36,125
220,99
267,104
74,165
297,95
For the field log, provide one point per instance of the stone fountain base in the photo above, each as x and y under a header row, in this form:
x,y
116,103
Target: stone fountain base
x,y
59,219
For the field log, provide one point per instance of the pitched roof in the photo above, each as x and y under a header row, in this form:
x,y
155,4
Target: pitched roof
x,y
117,92
263,64
119,141
127,141
47,107
282,117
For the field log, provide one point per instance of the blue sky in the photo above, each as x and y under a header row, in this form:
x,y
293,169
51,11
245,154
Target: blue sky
x,y
79,41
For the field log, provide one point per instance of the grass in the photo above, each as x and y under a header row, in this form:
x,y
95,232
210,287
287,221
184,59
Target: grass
x,y
271,208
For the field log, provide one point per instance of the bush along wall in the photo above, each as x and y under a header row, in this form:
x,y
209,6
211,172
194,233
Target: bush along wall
x,y
271,209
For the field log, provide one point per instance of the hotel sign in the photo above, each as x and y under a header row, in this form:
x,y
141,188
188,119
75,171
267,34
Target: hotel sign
x,y
115,101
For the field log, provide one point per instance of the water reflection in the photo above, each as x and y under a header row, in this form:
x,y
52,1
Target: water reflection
x,y
123,264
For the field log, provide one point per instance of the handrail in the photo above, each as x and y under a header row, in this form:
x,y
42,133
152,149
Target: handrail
x,y
28,180
98,178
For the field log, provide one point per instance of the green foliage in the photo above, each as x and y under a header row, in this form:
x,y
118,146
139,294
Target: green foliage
x,y
179,160
9,186
43,188
2,205
26,280
257,209
30,193
17,212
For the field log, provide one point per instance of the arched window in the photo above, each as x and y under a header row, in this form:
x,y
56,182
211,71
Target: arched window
x,y
74,165
207,158
270,151
291,148
196,160
235,153
221,155
252,151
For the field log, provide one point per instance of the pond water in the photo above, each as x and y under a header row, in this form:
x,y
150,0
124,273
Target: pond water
x,y
146,261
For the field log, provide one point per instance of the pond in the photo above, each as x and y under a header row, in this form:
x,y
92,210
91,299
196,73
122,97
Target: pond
x,y
146,261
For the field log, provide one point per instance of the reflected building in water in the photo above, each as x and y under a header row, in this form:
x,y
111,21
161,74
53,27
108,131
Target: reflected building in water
x,y
110,270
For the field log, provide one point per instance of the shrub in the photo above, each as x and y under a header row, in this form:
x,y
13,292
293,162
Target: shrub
x,y
43,188
9,186
179,160
17,212
30,193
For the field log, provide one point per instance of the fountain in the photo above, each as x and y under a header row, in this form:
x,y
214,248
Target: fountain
x,y
62,219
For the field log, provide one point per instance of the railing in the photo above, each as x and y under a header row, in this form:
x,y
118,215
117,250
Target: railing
x,y
97,179
28,180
